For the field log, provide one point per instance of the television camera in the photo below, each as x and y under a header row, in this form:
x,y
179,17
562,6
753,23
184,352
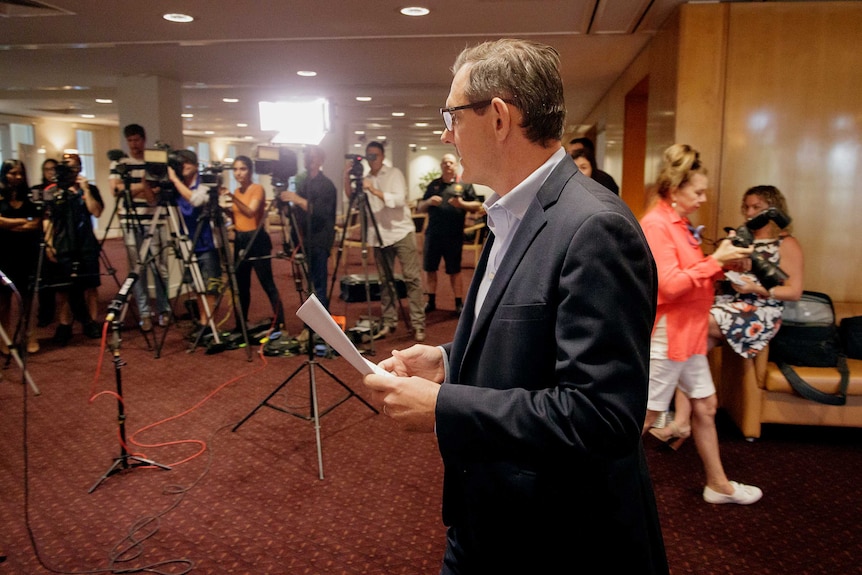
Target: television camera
x,y
769,274
278,163
64,178
356,168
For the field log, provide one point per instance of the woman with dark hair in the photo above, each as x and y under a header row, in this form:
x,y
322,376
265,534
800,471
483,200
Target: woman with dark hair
x,y
685,295
249,208
584,161
20,223
47,294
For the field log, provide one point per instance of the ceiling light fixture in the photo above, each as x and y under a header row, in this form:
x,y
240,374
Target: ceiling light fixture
x,y
209,132
178,18
398,114
88,115
187,116
104,101
242,125
230,100
363,98
415,11
306,73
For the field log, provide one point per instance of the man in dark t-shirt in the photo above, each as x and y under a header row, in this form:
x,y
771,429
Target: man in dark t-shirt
x,y
447,201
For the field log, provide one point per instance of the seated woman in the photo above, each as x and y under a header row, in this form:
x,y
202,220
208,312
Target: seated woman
x,y
750,316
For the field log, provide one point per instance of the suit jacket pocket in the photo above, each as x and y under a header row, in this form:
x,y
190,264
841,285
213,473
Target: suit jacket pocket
x,y
523,312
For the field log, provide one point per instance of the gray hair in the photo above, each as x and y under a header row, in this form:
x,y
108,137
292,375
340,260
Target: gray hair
x,y
524,73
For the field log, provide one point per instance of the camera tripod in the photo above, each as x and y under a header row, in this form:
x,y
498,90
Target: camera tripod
x,y
212,216
125,460
359,203
302,278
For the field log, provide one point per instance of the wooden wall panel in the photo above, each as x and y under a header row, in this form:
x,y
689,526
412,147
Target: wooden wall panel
x,y
793,119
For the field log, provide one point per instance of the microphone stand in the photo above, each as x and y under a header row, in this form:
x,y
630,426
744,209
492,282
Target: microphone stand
x,y
115,312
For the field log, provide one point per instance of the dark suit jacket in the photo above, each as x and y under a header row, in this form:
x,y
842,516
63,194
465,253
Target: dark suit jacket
x,y
539,424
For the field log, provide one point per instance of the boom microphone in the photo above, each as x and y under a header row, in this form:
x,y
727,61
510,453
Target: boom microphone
x,y
120,300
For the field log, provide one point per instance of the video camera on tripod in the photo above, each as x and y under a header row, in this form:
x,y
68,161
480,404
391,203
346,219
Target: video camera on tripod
x,y
356,168
769,274
156,163
64,178
278,163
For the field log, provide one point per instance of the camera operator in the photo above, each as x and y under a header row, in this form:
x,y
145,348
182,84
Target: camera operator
x,y
386,191
72,244
135,220
19,243
192,199
750,316
316,199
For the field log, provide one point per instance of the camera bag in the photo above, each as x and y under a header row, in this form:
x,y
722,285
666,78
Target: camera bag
x,y
851,334
809,337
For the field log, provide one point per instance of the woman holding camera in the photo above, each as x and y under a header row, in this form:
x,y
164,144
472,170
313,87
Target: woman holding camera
x,y
685,295
20,223
750,316
252,249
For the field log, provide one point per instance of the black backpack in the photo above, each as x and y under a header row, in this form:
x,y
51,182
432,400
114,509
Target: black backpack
x,y
809,337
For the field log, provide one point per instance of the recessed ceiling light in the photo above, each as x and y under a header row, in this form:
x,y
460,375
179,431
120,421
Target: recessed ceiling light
x,y
187,115
104,101
363,98
398,114
230,100
88,115
180,18
437,132
242,125
421,124
359,132
357,145
307,73
415,11
381,137
209,132
247,138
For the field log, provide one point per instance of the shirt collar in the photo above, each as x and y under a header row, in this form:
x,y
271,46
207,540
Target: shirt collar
x,y
518,200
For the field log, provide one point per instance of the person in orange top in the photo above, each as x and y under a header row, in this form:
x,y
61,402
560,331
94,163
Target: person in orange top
x,y
685,295
249,202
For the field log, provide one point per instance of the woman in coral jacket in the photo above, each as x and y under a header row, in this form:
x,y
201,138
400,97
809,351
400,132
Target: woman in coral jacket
x,y
685,295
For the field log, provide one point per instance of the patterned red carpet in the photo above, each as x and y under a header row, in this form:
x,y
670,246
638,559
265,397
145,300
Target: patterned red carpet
x,y
250,501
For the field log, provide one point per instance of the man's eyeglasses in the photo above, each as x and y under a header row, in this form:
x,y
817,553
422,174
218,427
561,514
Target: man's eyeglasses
x,y
447,112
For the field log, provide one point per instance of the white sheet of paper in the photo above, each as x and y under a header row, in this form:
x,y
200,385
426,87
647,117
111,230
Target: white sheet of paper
x,y
318,319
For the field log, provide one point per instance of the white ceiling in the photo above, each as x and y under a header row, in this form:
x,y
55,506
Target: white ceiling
x,y
57,57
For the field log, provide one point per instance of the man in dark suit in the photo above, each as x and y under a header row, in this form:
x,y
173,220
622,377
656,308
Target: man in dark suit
x,y
538,402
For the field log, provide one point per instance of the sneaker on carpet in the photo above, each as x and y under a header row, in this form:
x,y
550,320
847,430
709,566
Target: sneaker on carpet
x,y
742,494
419,335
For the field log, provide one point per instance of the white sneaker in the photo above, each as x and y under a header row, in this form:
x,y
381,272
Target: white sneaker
x,y
742,494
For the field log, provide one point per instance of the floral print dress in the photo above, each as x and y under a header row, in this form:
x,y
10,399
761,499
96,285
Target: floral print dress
x,y
749,321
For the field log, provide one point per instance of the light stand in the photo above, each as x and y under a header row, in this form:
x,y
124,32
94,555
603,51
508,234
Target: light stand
x,y
115,312
20,335
315,413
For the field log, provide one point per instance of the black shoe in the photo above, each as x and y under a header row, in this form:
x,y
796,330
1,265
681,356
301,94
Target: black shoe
x,y
459,308
63,335
429,307
93,330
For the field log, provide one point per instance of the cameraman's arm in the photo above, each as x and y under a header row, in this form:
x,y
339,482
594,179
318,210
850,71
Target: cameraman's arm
x,y
92,198
294,198
196,197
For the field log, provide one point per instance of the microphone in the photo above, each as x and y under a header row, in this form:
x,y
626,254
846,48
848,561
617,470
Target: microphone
x,y
120,300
